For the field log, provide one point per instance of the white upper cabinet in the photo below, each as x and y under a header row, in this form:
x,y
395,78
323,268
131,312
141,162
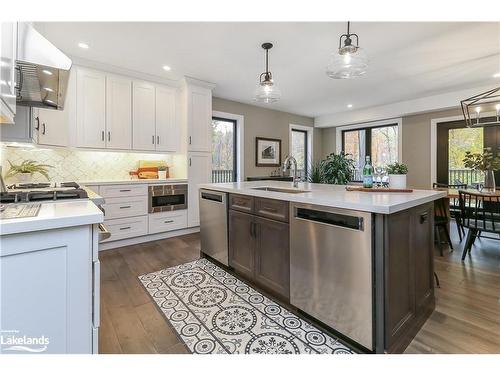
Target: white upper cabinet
x,y
52,126
167,124
118,112
8,48
199,118
143,123
91,108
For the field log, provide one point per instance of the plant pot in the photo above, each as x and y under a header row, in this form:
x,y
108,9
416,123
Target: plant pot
x,y
397,181
489,182
23,178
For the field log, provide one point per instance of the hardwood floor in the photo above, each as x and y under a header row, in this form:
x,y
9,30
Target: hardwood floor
x,y
466,319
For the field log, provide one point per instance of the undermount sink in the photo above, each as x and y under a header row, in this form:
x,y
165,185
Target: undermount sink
x,y
281,190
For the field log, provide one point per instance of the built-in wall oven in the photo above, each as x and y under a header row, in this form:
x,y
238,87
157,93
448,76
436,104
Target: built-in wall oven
x,y
167,197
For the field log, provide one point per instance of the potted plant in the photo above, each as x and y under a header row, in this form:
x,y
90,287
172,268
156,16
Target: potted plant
x,y
486,163
316,172
337,169
397,175
26,169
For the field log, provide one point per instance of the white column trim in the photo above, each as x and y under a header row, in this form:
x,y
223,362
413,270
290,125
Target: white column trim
x,y
240,140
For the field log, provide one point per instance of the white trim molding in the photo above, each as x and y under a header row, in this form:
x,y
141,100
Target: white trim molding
x,y
240,141
398,121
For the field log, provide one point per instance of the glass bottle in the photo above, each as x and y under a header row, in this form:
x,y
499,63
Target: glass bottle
x,y
368,173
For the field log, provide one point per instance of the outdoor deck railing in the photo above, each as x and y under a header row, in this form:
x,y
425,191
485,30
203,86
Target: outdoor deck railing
x,y
464,175
222,175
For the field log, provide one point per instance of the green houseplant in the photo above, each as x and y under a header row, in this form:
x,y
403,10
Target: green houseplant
x,y
26,169
337,169
397,175
315,174
486,163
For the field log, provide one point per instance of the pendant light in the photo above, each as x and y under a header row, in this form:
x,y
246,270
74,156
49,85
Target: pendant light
x,y
267,91
349,61
485,102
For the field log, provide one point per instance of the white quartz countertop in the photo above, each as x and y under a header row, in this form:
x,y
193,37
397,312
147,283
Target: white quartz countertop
x,y
136,181
53,215
333,195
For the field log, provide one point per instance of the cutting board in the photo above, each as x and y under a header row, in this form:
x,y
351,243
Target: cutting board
x,y
378,190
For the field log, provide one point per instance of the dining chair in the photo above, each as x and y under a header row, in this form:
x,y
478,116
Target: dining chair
x,y
441,221
454,206
480,214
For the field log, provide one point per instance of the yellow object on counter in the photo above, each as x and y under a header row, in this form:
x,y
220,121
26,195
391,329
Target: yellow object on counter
x,y
152,163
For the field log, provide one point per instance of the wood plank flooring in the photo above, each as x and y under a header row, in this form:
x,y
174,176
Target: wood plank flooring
x,y
466,319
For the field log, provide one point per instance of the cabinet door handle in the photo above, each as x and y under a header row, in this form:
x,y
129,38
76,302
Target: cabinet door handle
x,y
109,136
125,228
102,135
124,190
423,218
123,207
189,139
37,119
251,229
157,139
168,221
43,128
189,161
153,139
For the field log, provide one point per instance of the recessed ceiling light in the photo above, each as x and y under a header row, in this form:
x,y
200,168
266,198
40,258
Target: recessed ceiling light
x,y
48,89
83,45
496,75
48,72
349,106
166,68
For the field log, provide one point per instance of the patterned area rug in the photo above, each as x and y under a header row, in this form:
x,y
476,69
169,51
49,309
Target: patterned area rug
x,y
214,312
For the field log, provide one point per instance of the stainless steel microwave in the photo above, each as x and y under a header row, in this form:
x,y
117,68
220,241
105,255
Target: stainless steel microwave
x,y
167,197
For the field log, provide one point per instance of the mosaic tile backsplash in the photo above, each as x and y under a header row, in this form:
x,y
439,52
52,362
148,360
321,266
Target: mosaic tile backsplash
x,y
76,165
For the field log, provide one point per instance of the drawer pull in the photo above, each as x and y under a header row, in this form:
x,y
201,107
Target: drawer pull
x,y
122,207
124,190
125,228
270,209
168,221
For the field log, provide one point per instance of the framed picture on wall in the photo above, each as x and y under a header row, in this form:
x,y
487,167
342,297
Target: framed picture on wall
x,y
267,152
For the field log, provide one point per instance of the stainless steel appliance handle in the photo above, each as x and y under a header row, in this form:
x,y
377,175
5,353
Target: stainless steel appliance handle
x,y
213,196
104,233
329,218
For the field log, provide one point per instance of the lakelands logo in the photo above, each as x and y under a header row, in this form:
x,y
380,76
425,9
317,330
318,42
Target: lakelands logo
x,y
12,341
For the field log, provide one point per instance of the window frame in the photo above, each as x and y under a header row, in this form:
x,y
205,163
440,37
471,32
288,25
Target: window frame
x,y
306,147
235,142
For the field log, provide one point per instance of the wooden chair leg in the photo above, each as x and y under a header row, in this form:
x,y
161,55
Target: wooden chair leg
x,y
437,280
468,243
438,239
447,234
459,229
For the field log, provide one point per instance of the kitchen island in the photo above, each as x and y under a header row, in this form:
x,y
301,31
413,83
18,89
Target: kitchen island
x,y
359,263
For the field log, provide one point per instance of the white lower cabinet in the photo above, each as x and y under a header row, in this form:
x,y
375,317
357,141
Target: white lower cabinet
x,y
116,208
126,227
46,291
167,221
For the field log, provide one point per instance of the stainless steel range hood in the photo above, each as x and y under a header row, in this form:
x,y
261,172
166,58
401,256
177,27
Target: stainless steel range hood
x,y
42,70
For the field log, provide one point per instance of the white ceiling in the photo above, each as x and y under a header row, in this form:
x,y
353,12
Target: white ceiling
x,y
407,60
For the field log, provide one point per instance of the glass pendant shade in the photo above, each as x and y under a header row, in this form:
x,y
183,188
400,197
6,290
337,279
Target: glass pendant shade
x,y
267,92
347,62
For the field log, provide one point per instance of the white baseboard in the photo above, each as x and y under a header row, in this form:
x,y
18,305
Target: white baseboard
x,y
147,238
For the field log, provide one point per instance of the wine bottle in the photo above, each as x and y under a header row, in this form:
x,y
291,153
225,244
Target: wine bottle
x,y
368,174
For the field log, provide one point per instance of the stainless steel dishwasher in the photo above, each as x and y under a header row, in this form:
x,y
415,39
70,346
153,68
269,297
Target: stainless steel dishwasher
x,y
331,268
213,225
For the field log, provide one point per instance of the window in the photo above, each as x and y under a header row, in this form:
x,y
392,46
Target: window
x,y
223,150
299,151
380,143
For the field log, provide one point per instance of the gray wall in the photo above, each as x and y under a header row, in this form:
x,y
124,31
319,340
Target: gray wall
x,y
263,122
328,141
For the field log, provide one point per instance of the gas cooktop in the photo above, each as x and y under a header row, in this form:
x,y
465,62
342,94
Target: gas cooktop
x,y
34,192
